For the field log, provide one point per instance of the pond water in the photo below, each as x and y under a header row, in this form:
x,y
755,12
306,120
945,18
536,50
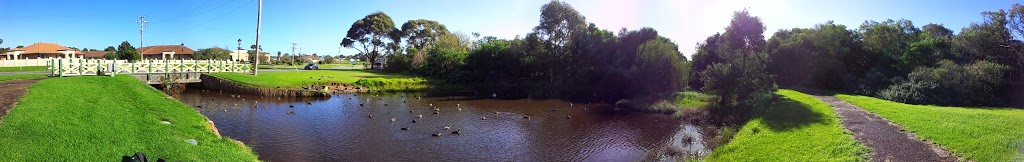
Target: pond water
x,y
339,128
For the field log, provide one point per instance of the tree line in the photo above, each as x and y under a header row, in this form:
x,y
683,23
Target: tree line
x,y
567,57
563,57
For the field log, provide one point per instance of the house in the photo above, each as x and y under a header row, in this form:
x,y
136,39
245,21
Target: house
x,y
94,54
41,50
166,52
240,55
309,59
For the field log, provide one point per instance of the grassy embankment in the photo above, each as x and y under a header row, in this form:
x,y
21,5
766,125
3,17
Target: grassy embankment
x,y
798,127
360,78
105,118
977,134
21,76
677,104
24,69
321,66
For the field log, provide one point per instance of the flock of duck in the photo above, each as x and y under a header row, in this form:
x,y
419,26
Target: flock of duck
x,y
436,111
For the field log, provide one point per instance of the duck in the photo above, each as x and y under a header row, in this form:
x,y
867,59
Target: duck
x,y
447,127
483,118
526,117
309,103
568,117
431,105
435,112
457,105
199,106
371,115
392,119
554,109
410,111
405,128
438,134
291,106
414,121
291,112
360,104
385,104
457,132
419,116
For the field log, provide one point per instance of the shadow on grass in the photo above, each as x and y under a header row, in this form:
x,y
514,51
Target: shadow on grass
x,y
787,114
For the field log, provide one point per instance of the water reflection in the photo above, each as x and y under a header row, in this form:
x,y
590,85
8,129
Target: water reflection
x,y
340,128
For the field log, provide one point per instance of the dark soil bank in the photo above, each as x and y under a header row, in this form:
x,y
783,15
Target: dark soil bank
x,y
215,83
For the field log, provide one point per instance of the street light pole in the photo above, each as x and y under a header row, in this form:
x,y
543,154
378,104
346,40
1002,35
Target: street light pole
x,y
259,19
238,56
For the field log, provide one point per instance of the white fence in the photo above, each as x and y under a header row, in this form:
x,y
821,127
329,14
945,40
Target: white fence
x,y
77,67
23,62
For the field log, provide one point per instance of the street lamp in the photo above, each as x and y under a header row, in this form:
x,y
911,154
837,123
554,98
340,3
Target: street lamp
x,y
237,54
182,51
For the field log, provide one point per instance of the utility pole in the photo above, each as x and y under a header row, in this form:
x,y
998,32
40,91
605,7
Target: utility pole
x,y
293,53
142,32
259,19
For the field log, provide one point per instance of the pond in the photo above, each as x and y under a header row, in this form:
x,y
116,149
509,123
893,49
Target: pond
x,y
340,128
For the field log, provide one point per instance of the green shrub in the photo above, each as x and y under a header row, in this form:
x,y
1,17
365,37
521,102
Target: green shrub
x,y
976,84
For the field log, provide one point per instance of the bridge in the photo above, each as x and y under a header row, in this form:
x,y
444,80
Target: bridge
x,y
149,71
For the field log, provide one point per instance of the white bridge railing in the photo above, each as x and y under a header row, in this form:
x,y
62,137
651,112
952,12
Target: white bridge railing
x,y
79,67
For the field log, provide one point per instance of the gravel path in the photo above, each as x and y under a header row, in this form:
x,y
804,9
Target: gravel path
x,y
887,140
11,92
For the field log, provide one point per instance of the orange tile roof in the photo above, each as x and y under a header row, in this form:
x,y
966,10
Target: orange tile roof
x,y
43,48
94,54
156,50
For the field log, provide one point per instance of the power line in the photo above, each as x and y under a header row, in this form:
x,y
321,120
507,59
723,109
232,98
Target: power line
x,y
215,18
199,11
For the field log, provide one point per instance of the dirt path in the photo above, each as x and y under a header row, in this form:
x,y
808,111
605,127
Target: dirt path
x,y
11,92
887,140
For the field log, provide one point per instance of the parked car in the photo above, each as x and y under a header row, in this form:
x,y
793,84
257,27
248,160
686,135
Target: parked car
x,y
311,66
377,66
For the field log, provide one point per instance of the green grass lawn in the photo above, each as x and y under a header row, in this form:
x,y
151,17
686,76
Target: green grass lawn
x,y
23,69
321,66
691,99
979,134
296,79
798,127
21,76
105,118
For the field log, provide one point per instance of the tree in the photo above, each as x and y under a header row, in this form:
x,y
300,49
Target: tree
x,y
659,68
984,41
1015,22
886,43
937,30
127,52
422,33
827,56
110,48
20,46
706,54
559,23
739,81
212,54
371,32
111,55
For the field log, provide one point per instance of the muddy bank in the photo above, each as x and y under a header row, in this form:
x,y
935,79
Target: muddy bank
x,y
215,83
11,92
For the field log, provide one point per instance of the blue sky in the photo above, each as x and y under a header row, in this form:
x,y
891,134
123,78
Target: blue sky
x,y
319,25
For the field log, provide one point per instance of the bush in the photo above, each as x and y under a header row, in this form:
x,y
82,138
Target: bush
x,y
392,84
977,84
